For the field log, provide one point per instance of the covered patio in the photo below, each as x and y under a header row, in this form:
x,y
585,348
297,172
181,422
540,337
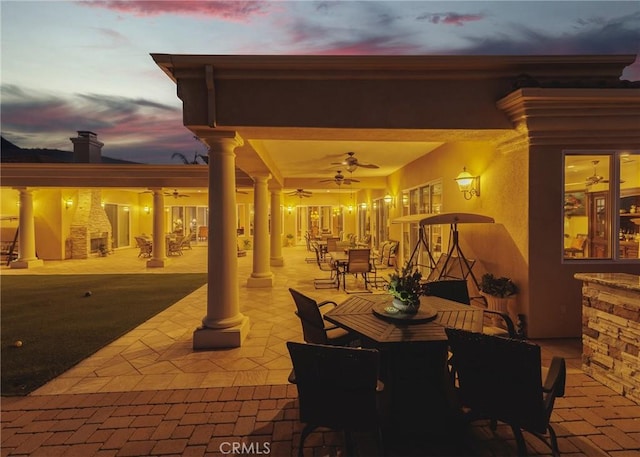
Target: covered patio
x,y
150,393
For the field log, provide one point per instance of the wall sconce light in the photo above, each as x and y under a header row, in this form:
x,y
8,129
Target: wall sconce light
x,y
289,209
468,184
350,209
363,205
126,209
146,210
68,203
389,200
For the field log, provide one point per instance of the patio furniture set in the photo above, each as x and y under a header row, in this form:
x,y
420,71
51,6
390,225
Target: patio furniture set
x,y
406,380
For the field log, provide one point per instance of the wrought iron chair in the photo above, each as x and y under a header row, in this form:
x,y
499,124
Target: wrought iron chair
x,y
500,379
332,281
314,328
338,388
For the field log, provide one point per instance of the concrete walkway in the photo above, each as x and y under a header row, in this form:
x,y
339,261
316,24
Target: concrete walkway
x,y
149,393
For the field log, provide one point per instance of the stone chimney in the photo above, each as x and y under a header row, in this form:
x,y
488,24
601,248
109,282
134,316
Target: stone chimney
x,y
87,148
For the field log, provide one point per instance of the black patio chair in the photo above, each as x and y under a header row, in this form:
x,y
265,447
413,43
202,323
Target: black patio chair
x,y
457,290
338,388
314,328
500,379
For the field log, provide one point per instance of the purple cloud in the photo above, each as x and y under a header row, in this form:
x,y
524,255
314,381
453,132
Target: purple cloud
x,y
132,129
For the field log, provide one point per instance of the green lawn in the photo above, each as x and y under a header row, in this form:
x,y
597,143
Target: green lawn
x,y
60,323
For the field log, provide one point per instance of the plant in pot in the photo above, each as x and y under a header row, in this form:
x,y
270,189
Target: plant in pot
x,y
290,239
499,293
406,288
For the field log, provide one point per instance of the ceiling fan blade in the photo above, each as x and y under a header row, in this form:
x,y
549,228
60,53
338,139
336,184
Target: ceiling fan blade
x,y
368,165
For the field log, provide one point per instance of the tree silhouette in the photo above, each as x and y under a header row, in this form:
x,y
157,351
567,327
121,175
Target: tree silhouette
x,y
196,156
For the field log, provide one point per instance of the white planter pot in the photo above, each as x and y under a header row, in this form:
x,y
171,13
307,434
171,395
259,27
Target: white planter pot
x,y
502,305
405,307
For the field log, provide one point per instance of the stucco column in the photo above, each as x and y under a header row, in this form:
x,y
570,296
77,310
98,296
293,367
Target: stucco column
x,y
159,253
276,229
26,233
224,325
261,275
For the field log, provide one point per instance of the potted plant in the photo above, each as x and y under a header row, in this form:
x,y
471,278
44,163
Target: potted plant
x,y
290,239
499,292
406,288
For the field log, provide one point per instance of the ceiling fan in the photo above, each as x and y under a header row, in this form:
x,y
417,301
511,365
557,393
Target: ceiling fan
x,y
175,194
595,178
300,193
339,179
352,163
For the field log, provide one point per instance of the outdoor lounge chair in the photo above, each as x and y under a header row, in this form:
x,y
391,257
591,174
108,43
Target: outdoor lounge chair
x,y
500,379
338,388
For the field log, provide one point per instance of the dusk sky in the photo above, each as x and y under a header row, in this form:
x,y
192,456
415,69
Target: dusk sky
x,y
86,65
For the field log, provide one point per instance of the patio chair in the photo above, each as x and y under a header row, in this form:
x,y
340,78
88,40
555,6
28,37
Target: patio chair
x,y
332,244
314,328
175,246
500,379
457,290
338,388
144,245
186,242
307,239
332,281
359,262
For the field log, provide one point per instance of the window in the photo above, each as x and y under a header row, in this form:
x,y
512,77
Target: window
x,y
119,217
426,199
601,205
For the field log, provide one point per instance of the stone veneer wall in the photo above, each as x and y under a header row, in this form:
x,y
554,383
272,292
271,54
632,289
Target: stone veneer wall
x,y
89,219
611,337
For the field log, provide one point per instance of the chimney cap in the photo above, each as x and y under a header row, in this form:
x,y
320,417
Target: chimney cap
x,y
86,133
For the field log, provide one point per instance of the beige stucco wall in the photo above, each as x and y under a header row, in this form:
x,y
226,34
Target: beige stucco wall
x,y
500,248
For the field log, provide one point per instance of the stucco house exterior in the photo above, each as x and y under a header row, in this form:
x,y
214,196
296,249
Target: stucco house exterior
x,y
520,124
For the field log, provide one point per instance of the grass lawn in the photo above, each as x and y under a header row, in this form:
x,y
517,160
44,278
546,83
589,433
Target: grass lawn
x,y
60,326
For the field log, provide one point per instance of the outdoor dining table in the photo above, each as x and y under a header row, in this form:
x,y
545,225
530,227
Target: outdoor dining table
x,y
414,355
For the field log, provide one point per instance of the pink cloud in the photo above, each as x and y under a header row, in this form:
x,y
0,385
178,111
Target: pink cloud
x,y
236,11
451,18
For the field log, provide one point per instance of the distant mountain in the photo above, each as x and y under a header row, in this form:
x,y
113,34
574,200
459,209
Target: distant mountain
x,y
11,153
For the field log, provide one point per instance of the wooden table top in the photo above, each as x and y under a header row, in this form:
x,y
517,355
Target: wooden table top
x,y
356,315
